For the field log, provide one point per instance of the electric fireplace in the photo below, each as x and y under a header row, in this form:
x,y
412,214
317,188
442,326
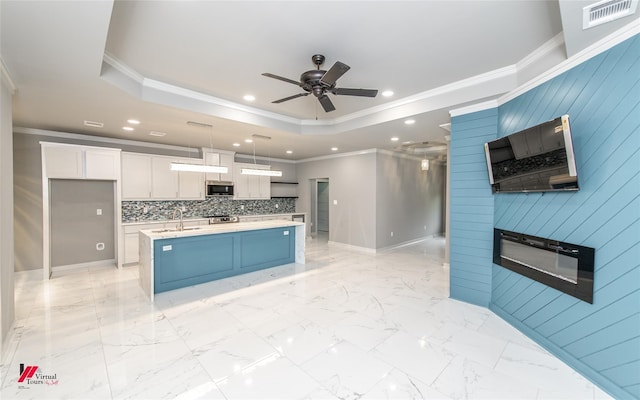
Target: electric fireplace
x,y
563,266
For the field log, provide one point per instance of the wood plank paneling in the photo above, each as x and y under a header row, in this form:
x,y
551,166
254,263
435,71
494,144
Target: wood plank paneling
x,y
472,208
601,340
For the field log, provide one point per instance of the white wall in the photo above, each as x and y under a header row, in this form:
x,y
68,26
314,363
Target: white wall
x,y
352,183
7,310
409,200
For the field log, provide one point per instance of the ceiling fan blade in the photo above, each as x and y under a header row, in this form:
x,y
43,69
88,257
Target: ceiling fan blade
x,y
336,71
295,96
355,92
280,78
326,103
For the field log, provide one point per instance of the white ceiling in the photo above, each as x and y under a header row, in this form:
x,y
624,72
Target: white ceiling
x,y
169,62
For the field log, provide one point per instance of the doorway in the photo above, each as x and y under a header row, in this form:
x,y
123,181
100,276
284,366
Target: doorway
x,y
319,207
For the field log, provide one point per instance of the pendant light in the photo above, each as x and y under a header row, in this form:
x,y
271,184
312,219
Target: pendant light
x,y
258,171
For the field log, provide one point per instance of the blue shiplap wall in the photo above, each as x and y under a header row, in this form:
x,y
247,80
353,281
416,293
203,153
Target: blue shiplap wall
x,y
471,208
602,98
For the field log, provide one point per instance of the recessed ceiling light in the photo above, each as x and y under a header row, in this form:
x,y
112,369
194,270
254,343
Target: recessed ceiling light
x,y
289,152
127,128
387,93
156,133
395,139
236,145
334,149
133,121
249,97
94,124
248,140
408,142
410,121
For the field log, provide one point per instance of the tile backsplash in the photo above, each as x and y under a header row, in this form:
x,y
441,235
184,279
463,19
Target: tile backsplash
x,y
133,211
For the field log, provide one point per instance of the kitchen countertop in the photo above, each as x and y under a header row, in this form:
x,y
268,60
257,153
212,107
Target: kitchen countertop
x,y
155,234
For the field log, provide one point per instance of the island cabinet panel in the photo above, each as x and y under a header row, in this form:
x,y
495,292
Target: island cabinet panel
x,y
191,260
266,248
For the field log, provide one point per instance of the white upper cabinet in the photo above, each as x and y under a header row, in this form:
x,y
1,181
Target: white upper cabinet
x,y
102,164
136,176
219,159
164,181
190,184
149,177
63,161
251,187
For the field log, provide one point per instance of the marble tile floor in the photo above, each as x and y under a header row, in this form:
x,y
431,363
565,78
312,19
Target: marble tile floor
x,y
347,325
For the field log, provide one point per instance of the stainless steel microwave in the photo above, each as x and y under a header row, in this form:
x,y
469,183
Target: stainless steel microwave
x,y
214,188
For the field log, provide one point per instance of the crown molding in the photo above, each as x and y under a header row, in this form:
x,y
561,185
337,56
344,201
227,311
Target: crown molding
x,y
339,155
604,44
541,52
486,105
102,139
6,77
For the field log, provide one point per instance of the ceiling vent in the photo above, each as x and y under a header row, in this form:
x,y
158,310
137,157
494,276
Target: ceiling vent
x,y
158,134
606,11
93,124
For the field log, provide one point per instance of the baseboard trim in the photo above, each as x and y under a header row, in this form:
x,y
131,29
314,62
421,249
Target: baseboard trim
x,y
351,247
101,263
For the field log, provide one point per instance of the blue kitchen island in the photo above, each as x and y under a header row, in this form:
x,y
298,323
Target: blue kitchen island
x,y
172,259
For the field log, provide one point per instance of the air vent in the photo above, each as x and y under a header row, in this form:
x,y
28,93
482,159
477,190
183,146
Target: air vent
x,y
606,11
156,133
199,124
93,124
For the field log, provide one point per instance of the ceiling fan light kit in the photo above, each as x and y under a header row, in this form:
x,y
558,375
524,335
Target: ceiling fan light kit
x,y
320,82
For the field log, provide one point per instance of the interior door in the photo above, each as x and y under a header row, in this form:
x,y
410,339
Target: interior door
x,y
323,206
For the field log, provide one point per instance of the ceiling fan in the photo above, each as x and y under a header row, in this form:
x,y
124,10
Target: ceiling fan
x,y
320,82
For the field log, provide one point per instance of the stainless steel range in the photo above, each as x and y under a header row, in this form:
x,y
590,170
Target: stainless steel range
x,y
222,219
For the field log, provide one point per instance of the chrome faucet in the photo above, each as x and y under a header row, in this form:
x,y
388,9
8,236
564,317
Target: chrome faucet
x,y
180,226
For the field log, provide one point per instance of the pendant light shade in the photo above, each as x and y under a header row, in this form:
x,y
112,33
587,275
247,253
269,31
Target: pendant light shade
x,y
260,172
198,168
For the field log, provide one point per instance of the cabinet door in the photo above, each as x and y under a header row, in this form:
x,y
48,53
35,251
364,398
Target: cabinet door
x,y
136,176
164,182
241,185
264,187
131,248
102,164
212,159
226,160
63,162
190,184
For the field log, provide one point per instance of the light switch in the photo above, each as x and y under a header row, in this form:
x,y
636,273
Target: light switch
x,y
99,211
335,202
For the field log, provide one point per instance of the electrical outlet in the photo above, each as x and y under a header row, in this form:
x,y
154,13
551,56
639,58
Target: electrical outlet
x,y
145,209
242,207
99,211
183,208
425,227
335,202
277,206
391,234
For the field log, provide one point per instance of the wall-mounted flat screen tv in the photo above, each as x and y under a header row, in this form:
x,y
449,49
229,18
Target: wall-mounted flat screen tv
x,y
537,159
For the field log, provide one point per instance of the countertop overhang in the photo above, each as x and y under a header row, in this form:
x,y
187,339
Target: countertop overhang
x,y
155,234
